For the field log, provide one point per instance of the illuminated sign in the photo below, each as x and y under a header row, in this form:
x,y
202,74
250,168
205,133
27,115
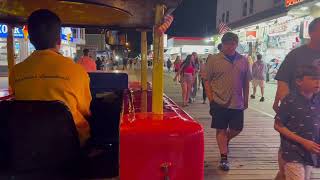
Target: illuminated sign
x,y
278,29
251,35
292,2
66,34
17,32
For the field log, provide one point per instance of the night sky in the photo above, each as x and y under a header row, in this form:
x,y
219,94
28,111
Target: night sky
x,y
195,18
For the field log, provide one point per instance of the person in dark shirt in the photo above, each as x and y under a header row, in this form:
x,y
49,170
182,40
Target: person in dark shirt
x,y
125,63
99,63
298,122
169,64
219,47
308,54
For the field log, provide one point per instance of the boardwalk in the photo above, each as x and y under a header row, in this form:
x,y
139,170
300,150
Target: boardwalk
x,y
253,154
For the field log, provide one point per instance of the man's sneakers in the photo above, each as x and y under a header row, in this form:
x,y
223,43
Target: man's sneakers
x,y
224,165
253,97
192,100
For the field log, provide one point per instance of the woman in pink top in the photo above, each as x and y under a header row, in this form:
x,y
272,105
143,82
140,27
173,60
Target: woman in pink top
x,y
187,77
86,62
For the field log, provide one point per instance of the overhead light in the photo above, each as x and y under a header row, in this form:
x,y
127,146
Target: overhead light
x,y
304,8
71,2
318,4
209,39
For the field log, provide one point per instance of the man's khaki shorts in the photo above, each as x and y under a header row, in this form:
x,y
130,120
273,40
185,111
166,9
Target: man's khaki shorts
x,y
259,83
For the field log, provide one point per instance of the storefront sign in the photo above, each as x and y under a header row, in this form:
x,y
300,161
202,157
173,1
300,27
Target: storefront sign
x,y
66,34
188,49
278,29
17,32
292,2
251,35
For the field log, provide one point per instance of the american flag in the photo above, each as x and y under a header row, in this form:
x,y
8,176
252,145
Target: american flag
x,y
223,28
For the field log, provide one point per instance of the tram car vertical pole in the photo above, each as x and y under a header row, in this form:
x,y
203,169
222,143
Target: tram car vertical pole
x,y
157,73
144,71
10,48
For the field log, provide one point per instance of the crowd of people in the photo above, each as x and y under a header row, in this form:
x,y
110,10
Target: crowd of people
x,y
190,75
105,64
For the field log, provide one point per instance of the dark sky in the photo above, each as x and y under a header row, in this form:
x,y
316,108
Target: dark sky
x,y
195,18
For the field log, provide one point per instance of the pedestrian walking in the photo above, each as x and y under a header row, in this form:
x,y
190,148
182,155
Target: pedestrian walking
x,y
203,75
219,47
87,62
258,77
187,74
169,64
195,85
177,64
124,63
99,63
227,88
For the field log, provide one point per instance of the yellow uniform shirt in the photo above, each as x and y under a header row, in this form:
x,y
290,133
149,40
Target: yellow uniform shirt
x,y
46,75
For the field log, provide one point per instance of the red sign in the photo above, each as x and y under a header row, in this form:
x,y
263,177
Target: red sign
x,y
292,2
251,33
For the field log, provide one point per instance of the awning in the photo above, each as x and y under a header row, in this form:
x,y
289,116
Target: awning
x,y
116,14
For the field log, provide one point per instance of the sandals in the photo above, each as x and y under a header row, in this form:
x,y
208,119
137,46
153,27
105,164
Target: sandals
x,y
185,105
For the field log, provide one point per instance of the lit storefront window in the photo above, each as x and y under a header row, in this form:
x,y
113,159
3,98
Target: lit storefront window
x,y
18,37
23,48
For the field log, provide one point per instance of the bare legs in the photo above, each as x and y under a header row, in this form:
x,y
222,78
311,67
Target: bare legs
x,y
186,90
223,137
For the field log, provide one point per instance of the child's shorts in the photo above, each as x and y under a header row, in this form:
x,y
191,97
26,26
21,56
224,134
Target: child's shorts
x,y
292,171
